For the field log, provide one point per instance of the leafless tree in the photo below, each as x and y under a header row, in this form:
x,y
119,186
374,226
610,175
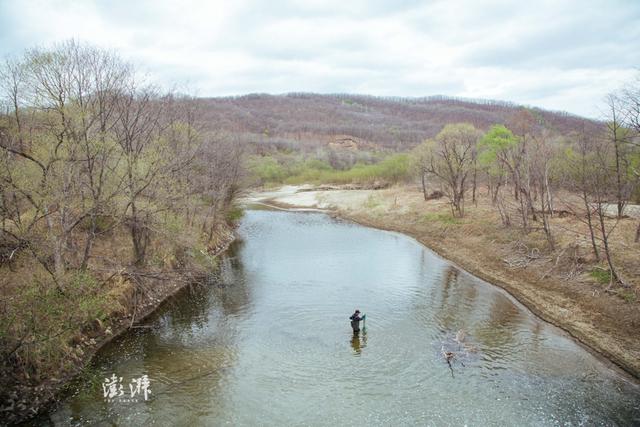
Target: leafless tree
x,y
540,162
451,159
616,135
590,164
61,111
630,103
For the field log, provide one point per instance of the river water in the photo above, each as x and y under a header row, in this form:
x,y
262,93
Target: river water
x,y
268,342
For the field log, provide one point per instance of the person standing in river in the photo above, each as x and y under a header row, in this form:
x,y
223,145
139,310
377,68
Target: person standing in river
x,y
355,322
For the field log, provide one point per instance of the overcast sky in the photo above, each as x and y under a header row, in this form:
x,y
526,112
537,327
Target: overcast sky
x,y
561,55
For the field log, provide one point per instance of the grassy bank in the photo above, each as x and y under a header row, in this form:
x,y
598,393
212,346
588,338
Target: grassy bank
x,y
270,172
51,333
565,286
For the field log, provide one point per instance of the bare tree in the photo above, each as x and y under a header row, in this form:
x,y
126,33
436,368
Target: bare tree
x,y
630,102
541,157
420,165
61,103
138,132
451,158
590,164
220,172
615,135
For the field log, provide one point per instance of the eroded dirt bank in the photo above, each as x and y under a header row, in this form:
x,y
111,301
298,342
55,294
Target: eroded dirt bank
x,y
555,286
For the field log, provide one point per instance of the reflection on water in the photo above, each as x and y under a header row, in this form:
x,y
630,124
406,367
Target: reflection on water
x,y
358,342
267,342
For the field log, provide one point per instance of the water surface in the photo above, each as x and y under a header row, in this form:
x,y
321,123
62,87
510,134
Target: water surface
x,y
268,342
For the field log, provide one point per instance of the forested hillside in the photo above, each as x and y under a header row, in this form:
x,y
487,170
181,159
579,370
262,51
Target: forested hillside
x,y
389,122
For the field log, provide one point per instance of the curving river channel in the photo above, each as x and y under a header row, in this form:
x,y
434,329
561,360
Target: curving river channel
x,y
268,342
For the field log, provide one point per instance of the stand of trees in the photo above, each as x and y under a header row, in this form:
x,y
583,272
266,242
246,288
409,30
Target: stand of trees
x,y
89,153
85,144
451,158
525,167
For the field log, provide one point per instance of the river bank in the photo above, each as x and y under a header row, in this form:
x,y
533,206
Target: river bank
x,y
229,353
133,294
560,289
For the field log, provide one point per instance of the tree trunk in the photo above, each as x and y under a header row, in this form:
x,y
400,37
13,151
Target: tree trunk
x,y
139,237
58,260
605,241
590,223
545,223
424,185
620,202
637,239
210,234
494,194
504,215
91,234
548,193
475,183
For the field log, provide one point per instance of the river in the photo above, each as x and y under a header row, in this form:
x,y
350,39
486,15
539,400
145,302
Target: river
x,y
267,342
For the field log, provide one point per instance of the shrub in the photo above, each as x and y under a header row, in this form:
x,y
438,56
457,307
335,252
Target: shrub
x,y
267,169
290,170
601,276
234,214
445,218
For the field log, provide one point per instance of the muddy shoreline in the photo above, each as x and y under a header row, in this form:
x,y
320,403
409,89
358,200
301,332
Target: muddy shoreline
x,y
602,340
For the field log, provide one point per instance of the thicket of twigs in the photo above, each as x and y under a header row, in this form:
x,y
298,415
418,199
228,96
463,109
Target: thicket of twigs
x,y
535,174
102,177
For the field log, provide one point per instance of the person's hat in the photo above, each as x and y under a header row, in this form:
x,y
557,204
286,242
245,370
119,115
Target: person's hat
x,y
357,311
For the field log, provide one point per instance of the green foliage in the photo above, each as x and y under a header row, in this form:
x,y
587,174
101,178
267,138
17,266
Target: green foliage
x,y
234,214
444,218
628,296
601,276
318,165
174,224
89,304
200,256
54,315
267,169
420,156
634,174
498,139
392,169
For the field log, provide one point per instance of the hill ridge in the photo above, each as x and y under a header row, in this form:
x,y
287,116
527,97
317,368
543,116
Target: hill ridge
x,y
390,121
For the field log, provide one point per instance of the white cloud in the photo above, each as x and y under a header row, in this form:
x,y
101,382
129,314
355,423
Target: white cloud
x,y
558,55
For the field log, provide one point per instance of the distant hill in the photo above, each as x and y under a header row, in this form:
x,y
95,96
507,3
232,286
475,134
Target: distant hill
x,y
390,122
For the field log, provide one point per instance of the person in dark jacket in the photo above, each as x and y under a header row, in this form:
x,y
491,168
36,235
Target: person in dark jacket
x,y
355,321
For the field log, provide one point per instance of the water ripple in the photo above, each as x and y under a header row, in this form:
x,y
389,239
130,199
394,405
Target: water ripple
x,y
268,342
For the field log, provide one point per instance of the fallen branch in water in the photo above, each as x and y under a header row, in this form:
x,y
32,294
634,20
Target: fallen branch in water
x,y
449,356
